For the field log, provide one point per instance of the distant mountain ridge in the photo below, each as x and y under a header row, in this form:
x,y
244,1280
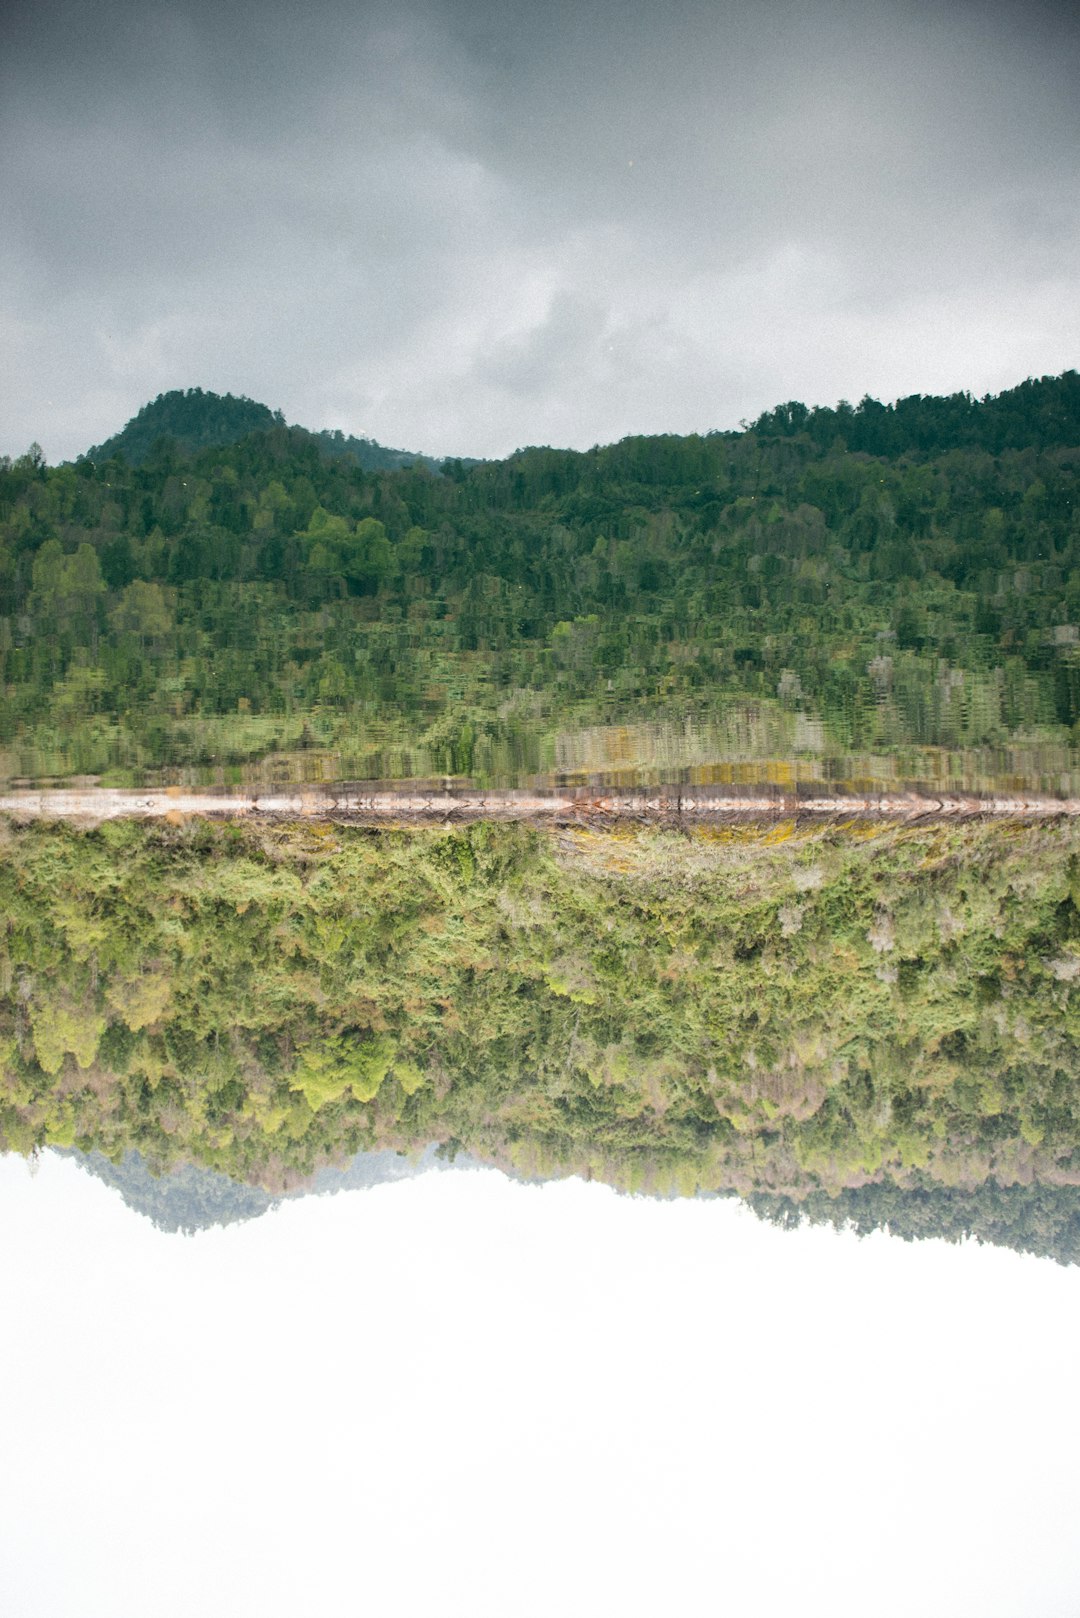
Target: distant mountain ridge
x,y
193,419
1038,413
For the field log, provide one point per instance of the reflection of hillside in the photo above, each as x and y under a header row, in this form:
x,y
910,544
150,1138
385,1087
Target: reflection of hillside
x,y
1039,1219
780,1011
185,1198
189,1198
1042,1220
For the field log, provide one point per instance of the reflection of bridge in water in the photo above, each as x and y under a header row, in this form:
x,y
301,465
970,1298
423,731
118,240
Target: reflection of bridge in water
x,y
423,804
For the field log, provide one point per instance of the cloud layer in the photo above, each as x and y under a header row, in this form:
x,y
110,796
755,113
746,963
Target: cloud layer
x,y
465,227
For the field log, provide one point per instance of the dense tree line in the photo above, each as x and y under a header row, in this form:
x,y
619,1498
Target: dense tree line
x,y
1035,415
873,578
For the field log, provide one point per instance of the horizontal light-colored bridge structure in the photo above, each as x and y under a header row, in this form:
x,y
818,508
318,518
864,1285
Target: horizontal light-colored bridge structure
x,y
365,805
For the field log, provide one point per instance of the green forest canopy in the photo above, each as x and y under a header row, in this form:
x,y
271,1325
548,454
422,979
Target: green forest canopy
x,y
867,578
191,420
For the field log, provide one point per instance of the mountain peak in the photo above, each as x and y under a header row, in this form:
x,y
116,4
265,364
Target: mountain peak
x,y
194,419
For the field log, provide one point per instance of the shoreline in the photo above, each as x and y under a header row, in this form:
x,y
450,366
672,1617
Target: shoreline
x,y
363,804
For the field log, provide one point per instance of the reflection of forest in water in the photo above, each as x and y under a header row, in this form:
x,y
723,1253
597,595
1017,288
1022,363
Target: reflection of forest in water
x,y
1043,1220
874,1022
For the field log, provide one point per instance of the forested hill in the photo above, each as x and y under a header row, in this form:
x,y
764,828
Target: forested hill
x,y
194,420
869,580
1034,415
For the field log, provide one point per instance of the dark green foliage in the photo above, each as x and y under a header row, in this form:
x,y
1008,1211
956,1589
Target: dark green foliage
x,y
177,425
374,457
915,587
1034,415
188,421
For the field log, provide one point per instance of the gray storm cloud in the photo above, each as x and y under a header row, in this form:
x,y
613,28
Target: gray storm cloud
x,y
461,228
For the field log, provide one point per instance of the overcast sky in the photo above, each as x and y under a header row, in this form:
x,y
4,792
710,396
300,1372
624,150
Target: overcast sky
x,y
464,227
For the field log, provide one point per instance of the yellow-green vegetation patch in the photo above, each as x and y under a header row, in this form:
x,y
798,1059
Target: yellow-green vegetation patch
x,y
780,1009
